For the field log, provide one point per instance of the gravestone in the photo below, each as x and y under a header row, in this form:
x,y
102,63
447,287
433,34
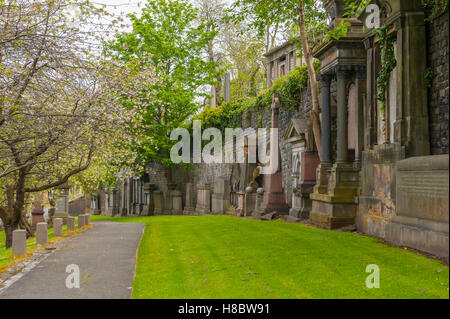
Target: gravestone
x,y
58,227
274,197
19,242
221,196
257,213
177,202
250,201
81,221
189,208
149,206
71,223
42,233
158,200
62,204
203,199
37,214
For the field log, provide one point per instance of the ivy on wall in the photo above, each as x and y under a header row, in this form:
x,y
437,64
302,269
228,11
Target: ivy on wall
x,y
230,114
436,7
388,63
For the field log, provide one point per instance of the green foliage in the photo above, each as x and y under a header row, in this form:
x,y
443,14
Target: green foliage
x,y
429,77
168,37
288,88
388,63
437,7
205,266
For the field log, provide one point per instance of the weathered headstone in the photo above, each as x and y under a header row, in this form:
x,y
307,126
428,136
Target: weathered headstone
x,y
19,242
221,196
81,221
203,199
41,234
87,219
58,227
37,214
159,200
71,223
189,208
250,201
257,213
177,202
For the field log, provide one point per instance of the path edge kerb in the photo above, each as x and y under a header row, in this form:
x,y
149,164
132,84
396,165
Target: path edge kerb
x,y
136,257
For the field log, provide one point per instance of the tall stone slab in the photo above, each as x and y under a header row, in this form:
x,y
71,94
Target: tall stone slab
x,y
58,227
177,202
19,243
203,199
159,202
422,219
189,208
274,196
221,196
42,233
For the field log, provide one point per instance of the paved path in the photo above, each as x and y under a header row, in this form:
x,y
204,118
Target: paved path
x,y
106,256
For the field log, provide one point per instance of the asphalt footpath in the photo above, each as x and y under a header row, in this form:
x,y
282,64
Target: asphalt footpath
x,y
105,256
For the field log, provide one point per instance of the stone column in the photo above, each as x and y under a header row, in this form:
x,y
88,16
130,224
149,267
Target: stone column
x,y
325,81
250,201
259,198
342,115
274,198
360,84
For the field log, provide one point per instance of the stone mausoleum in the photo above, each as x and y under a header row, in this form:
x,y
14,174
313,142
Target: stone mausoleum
x,y
384,165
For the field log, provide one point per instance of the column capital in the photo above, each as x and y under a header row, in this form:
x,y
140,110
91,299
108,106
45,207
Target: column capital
x,y
324,79
343,71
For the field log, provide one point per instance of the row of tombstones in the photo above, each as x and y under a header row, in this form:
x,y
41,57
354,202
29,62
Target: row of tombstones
x,y
19,238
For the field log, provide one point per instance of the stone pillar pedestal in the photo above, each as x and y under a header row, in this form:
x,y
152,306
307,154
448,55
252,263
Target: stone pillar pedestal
x,y
203,199
274,197
189,208
177,202
338,207
221,196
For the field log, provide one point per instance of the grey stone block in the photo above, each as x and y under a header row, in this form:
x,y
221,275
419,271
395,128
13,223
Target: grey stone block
x,y
58,227
81,221
19,242
71,223
41,234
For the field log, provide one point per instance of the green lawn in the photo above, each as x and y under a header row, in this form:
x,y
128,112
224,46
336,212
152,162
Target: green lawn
x,y
227,257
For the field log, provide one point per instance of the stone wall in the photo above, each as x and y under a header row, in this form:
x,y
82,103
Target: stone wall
x,y
207,173
438,57
78,206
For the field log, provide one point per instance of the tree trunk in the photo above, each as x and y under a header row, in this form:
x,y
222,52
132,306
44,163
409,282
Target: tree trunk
x,y
315,112
8,235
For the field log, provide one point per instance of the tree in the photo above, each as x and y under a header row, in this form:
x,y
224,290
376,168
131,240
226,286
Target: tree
x,y
290,13
57,110
168,37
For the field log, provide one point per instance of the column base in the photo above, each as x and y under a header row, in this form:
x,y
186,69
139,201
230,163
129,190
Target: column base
x,y
332,215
